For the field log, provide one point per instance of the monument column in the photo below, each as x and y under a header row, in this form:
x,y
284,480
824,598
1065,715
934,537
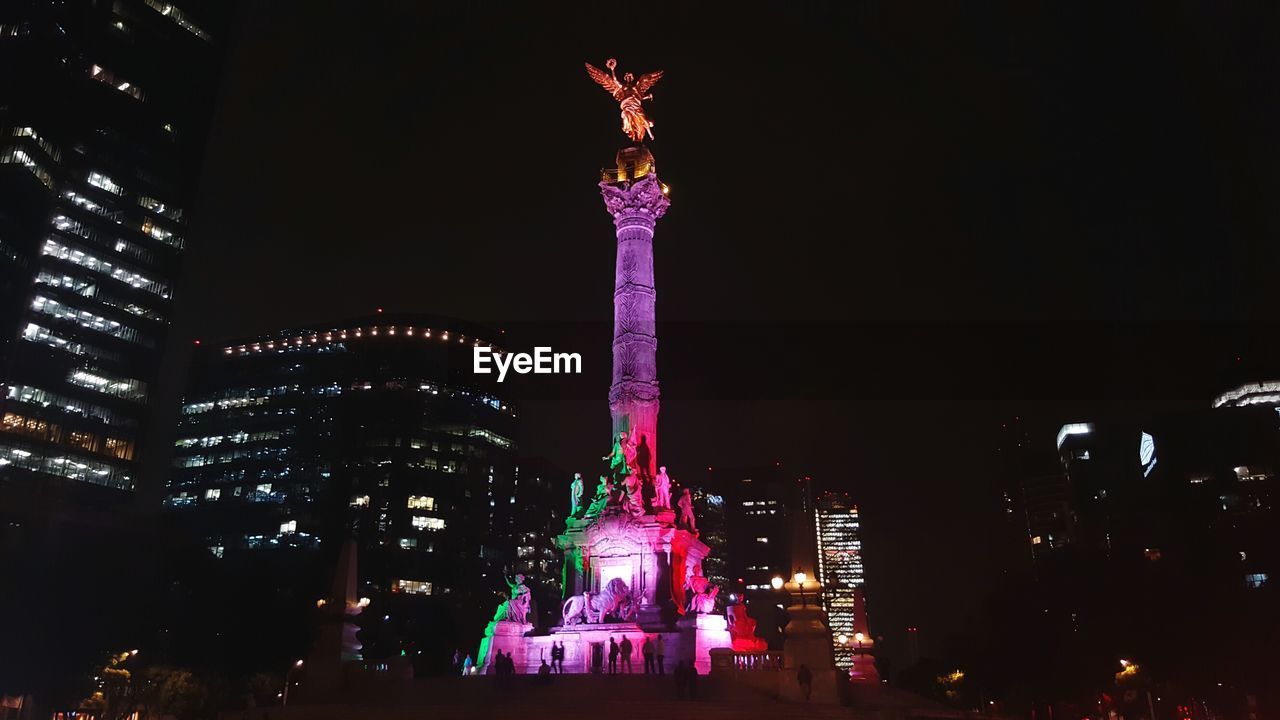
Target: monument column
x,y
636,199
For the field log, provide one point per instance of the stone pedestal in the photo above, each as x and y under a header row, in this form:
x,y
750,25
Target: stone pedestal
x,y
647,552
864,669
336,655
709,632
504,636
808,643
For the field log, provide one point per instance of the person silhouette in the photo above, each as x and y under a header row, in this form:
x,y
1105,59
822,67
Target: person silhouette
x,y
625,649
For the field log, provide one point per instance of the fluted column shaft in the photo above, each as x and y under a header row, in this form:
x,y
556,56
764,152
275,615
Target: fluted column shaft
x,y
633,396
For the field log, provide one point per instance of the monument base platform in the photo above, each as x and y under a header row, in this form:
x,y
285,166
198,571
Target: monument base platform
x,y
586,646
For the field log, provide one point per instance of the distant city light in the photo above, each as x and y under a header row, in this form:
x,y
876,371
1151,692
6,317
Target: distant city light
x,y
1082,428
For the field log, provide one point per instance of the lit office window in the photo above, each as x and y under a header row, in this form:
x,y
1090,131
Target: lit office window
x,y
72,467
30,427
212,493
155,206
176,15
85,203
421,502
86,287
18,156
413,587
103,382
422,522
118,448
43,398
106,77
161,234
103,182
49,148
61,251
44,336
86,319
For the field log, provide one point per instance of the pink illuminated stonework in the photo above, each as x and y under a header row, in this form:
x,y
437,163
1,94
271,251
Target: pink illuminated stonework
x,y
636,206
632,569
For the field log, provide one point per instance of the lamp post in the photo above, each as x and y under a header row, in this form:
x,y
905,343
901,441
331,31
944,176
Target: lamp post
x,y
1128,668
284,702
798,582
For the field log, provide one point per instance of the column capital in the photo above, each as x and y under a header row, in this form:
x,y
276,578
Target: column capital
x,y
644,200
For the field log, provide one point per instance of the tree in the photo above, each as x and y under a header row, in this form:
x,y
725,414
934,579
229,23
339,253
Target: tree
x,y
170,691
113,696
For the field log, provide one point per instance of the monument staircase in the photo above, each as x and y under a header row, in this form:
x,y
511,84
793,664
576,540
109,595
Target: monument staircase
x,y
617,697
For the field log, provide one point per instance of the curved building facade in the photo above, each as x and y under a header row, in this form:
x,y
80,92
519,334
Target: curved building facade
x,y
375,429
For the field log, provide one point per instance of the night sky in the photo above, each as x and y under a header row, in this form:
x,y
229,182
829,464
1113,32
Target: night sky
x,y
893,226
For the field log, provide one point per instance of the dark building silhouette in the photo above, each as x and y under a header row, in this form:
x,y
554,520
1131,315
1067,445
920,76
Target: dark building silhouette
x,y
541,507
104,115
1149,522
751,511
759,522
375,429
1192,488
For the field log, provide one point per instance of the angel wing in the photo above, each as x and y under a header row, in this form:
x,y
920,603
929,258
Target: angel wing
x,y
647,81
604,79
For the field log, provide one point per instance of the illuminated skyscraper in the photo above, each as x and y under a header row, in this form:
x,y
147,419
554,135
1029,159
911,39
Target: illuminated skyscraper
x,y
104,114
840,571
374,429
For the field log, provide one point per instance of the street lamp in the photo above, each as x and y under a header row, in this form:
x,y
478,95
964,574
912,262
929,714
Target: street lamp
x,y
284,702
1129,669
798,581
844,639
777,582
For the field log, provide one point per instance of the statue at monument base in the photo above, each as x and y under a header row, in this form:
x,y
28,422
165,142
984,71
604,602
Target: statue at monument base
x,y
615,600
742,628
702,598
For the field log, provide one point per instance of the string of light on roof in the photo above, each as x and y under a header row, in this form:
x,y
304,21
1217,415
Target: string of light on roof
x,y
332,336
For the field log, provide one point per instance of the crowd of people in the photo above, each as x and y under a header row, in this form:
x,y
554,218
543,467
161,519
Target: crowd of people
x,y
654,652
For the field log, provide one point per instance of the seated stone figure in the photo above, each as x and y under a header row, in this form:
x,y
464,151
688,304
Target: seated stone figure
x,y
742,628
601,500
703,597
516,607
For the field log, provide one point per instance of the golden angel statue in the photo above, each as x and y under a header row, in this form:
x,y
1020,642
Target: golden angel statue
x,y
629,92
